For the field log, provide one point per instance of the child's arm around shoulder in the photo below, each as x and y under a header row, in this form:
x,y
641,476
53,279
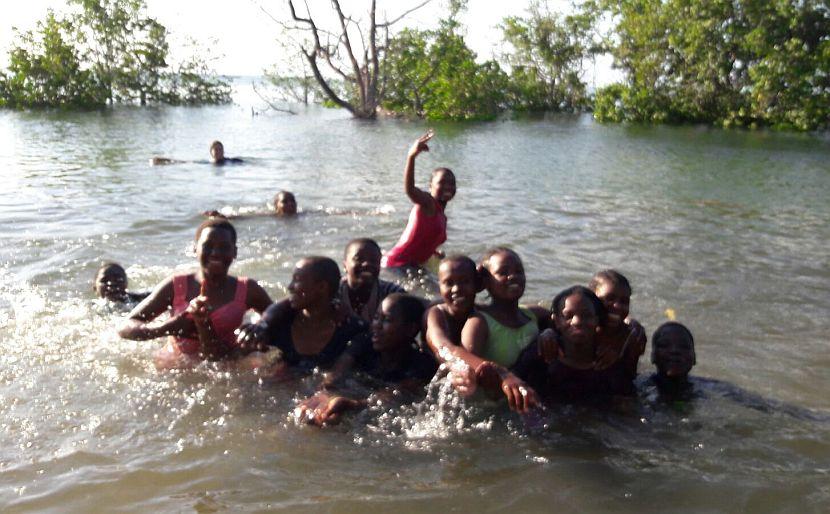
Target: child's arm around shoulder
x,y
416,195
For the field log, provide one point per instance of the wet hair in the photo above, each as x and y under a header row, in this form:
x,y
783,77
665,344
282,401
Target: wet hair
x,y
284,194
325,269
485,261
361,241
216,222
106,265
670,325
109,264
436,171
558,302
216,143
461,259
611,276
410,307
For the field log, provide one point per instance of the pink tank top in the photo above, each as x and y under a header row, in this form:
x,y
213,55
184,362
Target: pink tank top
x,y
224,320
421,237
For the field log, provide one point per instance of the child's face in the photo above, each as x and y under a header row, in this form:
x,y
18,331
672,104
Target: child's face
x,y
506,280
457,285
285,205
362,264
442,186
674,353
616,299
111,283
304,287
389,330
578,321
217,152
215,250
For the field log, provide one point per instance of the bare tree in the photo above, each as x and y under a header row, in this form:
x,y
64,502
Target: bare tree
x,y
349,52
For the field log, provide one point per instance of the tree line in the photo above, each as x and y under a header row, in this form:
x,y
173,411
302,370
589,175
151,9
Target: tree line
x,y
101,53
723,62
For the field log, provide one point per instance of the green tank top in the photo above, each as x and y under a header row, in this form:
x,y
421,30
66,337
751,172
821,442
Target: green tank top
x,y
505,344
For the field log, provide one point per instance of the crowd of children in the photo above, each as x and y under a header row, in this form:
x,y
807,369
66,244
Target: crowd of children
x,y
585,347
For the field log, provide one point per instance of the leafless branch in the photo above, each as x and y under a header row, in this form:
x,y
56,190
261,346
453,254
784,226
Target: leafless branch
x,y
404,14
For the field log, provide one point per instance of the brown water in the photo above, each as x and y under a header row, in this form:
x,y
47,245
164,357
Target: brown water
x,y
729,229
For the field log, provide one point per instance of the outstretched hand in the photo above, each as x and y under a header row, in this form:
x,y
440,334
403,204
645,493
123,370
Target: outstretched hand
x,y
420,145
251,337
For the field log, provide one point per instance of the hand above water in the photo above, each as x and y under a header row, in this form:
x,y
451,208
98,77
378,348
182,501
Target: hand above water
x,y
420,145
251,337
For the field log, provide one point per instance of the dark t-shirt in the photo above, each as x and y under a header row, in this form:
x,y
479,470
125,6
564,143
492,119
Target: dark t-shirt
x,y
352,331
416,365
558,382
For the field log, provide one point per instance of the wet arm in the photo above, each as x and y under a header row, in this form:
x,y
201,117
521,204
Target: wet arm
x,y
139,326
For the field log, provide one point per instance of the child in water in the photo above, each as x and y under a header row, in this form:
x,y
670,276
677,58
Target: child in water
x,y
450,328
217,157
620,337
361,291
308,327
111,284
577,314
673,353
507,328
285,206
217,301
426,229
393,359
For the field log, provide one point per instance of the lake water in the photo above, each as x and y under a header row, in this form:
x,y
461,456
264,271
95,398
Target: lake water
x,y
727,228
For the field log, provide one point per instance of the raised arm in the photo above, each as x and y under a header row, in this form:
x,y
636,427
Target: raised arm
x,y
416,195
139,325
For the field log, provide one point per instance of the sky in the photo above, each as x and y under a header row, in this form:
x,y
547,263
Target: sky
x,y
244,39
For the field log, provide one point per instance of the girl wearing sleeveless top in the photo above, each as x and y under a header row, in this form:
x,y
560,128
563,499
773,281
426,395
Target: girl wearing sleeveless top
x,y
205,306
426,229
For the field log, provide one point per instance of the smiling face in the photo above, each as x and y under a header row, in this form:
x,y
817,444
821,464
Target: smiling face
x,y
616,298
457,285
578,320
673,353
442,186
215,250
111,283
506,276
362,263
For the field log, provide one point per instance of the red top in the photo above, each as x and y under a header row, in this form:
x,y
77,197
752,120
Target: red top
x,y
421,237
224,319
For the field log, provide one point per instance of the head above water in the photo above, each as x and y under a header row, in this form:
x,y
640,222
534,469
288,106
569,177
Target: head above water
x,y
285,204
614,290
673,350
111,282
577,313
217,151
442,185
215,246
361,261
502,273
397,321
458,283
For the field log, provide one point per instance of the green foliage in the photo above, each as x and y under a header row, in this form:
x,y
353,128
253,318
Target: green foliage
x,y
434,74
107,52
547,59
727,62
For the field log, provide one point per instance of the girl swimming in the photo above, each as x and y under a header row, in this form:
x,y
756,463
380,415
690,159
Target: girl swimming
x,y
361,291
220,299
620,337
111,284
